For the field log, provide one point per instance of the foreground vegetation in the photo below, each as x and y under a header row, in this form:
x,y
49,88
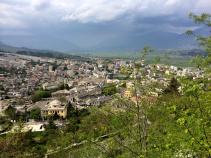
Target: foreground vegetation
x,y
181,126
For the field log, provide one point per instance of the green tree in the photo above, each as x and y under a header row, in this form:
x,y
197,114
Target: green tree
x,y
172,87
35,114
56,116
202,61
18,143
11,112
136,127
62,99
110,89
13,146
193,117
39,95
192,111
60,86
1,88
35,98
48,136
63,86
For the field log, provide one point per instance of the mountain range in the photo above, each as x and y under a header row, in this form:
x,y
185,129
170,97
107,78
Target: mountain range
x,y
128,42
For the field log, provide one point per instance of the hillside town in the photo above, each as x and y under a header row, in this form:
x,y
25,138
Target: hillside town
x,y
46,94
23,76
105,79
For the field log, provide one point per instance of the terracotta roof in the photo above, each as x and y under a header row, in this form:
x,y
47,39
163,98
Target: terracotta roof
x,y
134,98
128,91
149,99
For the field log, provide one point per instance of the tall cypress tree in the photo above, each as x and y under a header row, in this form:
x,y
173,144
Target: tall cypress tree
x,y
172,87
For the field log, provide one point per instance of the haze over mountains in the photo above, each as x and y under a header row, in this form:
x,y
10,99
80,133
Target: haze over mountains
x,y
127,42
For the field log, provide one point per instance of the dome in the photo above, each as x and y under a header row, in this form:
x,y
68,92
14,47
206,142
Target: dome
x,y
55,103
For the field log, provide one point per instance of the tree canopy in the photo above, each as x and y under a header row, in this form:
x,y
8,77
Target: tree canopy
x,y
110,89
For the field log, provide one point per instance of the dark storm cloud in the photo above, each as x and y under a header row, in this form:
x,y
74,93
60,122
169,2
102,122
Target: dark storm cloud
x,y
173,20
87,22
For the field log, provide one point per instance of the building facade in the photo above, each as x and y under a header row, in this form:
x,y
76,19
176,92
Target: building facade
x,y
53,107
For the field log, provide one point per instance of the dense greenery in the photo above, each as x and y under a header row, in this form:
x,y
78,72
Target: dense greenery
x,y
188,53
50,54
45,93
35,114
11,112
63,86
172,87
202,61
110,89
40,94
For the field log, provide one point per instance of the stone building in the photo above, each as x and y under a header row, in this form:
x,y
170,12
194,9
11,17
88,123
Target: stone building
x,y
53,107
61,93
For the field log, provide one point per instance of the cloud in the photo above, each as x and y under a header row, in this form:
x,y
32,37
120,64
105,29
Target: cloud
x,y
96,11
101,10
170,2
95,20
42,5
202,6
8,18
92,11
104,10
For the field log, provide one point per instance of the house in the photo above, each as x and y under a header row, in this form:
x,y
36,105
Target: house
x,y
128,93
61,93
49,86
145,99
93,101
53,107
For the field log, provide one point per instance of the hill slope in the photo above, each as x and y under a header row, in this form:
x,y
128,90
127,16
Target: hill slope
x,y
37,42
121,43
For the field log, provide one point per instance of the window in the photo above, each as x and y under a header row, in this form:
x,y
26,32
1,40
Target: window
x,y
61,111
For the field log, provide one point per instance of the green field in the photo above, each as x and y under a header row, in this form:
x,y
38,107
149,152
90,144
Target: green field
x,y
175,58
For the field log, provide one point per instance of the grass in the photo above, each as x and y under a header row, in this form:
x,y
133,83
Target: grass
x,y
179,62
174,60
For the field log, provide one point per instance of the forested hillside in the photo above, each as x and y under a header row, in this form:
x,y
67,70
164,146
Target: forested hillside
x,y
50,54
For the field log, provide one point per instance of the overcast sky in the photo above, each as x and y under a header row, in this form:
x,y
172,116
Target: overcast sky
x,y
87,22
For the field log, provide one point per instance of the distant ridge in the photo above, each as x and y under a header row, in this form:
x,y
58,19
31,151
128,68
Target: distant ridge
x,y
123,43
39,53
12,49
156,40
1,43
37,42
